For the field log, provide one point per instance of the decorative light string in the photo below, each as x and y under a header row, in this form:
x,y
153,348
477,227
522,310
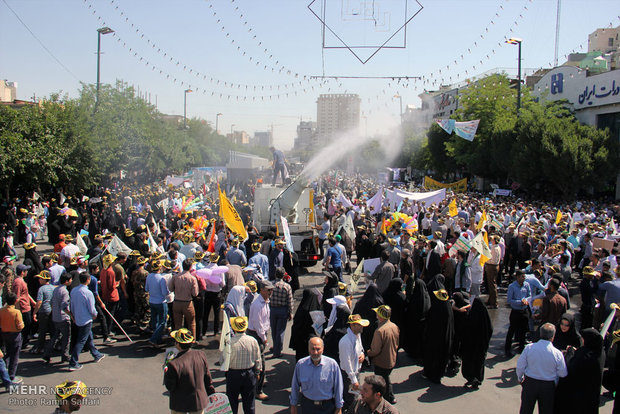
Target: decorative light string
x,y
186,68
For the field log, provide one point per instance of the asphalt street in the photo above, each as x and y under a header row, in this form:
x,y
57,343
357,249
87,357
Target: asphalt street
x,y
130,378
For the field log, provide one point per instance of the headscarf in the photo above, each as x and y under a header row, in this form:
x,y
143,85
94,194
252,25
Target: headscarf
x,y
236,298
461,299
562,340
436,283
340,301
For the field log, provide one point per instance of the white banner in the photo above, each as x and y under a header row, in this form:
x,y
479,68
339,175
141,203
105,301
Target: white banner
x,y
394,197
287,235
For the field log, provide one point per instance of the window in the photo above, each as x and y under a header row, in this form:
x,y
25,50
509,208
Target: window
x,y
610,42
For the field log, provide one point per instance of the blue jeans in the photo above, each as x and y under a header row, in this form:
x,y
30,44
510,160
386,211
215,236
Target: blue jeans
x,y
278,317
4,374
84,338
13,343
338,271
158,320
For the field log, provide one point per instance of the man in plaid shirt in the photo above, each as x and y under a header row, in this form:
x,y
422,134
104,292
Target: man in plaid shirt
x,y
281,306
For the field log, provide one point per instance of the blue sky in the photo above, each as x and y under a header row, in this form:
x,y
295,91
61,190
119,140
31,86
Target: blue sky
x,y
224,48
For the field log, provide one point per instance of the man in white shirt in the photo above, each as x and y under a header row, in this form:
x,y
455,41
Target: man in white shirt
x,y
539,368
351,354
67,252
258,327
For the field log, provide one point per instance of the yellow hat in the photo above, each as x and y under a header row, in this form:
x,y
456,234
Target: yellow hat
x,y
358,319
70,388
128,233
239,323
214,257
589,270
134,253
45,275
342,288
167,264
108,259
29,246
252,285
615,336
141,260
199,255
156,265
68,238
441,294
182,336
383,311
255,247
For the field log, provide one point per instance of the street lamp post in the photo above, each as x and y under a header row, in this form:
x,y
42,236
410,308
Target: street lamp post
x,y
400,98
517,41
100,31
217,122
185,92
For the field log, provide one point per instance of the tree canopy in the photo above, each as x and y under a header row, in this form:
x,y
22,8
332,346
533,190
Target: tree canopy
x,y
69,143
544,148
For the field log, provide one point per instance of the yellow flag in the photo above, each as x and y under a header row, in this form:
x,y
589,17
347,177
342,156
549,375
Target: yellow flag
x,y
383,226
482,222
452,208
230,216
189,193
481,244
558,217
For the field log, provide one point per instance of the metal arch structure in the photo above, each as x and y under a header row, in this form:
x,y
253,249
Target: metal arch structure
x,y
334,30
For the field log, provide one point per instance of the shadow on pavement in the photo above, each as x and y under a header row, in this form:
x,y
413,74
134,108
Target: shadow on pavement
x,y
508,378
439,392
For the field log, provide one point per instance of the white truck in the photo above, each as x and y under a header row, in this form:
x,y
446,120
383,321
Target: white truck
x,y
295,204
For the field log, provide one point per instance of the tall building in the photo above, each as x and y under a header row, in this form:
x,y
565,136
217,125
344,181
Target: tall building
x,y
337,113
239,137
8,91
604,40
306,133
263,139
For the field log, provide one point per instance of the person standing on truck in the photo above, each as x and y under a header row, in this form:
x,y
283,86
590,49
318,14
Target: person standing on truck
x,y
279,165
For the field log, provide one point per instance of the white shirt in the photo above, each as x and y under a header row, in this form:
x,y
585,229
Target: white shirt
x,y
350,348
541,361
68,252
475,269
259,317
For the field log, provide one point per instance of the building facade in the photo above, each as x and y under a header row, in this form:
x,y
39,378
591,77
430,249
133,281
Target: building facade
x,y
337,113
263,138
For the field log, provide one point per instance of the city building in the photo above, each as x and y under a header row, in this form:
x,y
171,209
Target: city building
x,y
306,135
239,137
336,113
263,139
8,91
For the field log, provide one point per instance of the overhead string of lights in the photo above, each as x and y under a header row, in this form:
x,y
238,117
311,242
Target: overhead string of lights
x,y
199,89
254,37
466,72
192,71
426,80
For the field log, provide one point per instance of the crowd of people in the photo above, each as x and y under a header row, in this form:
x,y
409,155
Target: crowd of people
x,y
151,262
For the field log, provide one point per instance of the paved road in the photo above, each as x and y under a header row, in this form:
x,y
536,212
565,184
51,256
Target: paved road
x,y
129,380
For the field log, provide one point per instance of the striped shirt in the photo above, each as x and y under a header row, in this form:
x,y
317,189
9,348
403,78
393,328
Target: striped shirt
x,y
245,352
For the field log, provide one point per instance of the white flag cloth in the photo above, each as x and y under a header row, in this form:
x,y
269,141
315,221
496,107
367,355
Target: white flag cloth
x,y
225,346
79,242
345,201
116,246
151,241
376,202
